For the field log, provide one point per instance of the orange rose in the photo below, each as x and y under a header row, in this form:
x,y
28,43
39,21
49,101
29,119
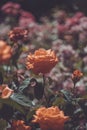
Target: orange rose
x,y
19,125
5,52
5,91
50,118
42,61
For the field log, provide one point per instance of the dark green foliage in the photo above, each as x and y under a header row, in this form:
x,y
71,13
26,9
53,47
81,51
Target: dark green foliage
x,y
12,103
21,99
38,90
6,112
1,78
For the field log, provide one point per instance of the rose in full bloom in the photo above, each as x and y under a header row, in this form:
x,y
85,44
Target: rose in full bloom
x,y
42,61
5,52
5,91
50,118
77,74
19,125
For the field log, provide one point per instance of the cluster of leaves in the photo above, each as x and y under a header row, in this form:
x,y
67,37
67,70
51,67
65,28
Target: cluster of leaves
x,y
32,94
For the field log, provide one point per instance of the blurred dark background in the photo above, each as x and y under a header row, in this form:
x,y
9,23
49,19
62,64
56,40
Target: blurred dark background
x,y
42,7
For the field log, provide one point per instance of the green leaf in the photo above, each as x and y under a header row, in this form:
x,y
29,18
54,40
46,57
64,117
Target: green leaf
x,y
13,104
67,95
78,111
21,99
31,113
49,91
3,124
39,90
25,83
59,101
1,105
82,98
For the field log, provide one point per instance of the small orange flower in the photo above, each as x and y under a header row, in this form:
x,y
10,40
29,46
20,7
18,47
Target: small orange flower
x,y
42,61
77,75
19,125
5,91
50,118
5,52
